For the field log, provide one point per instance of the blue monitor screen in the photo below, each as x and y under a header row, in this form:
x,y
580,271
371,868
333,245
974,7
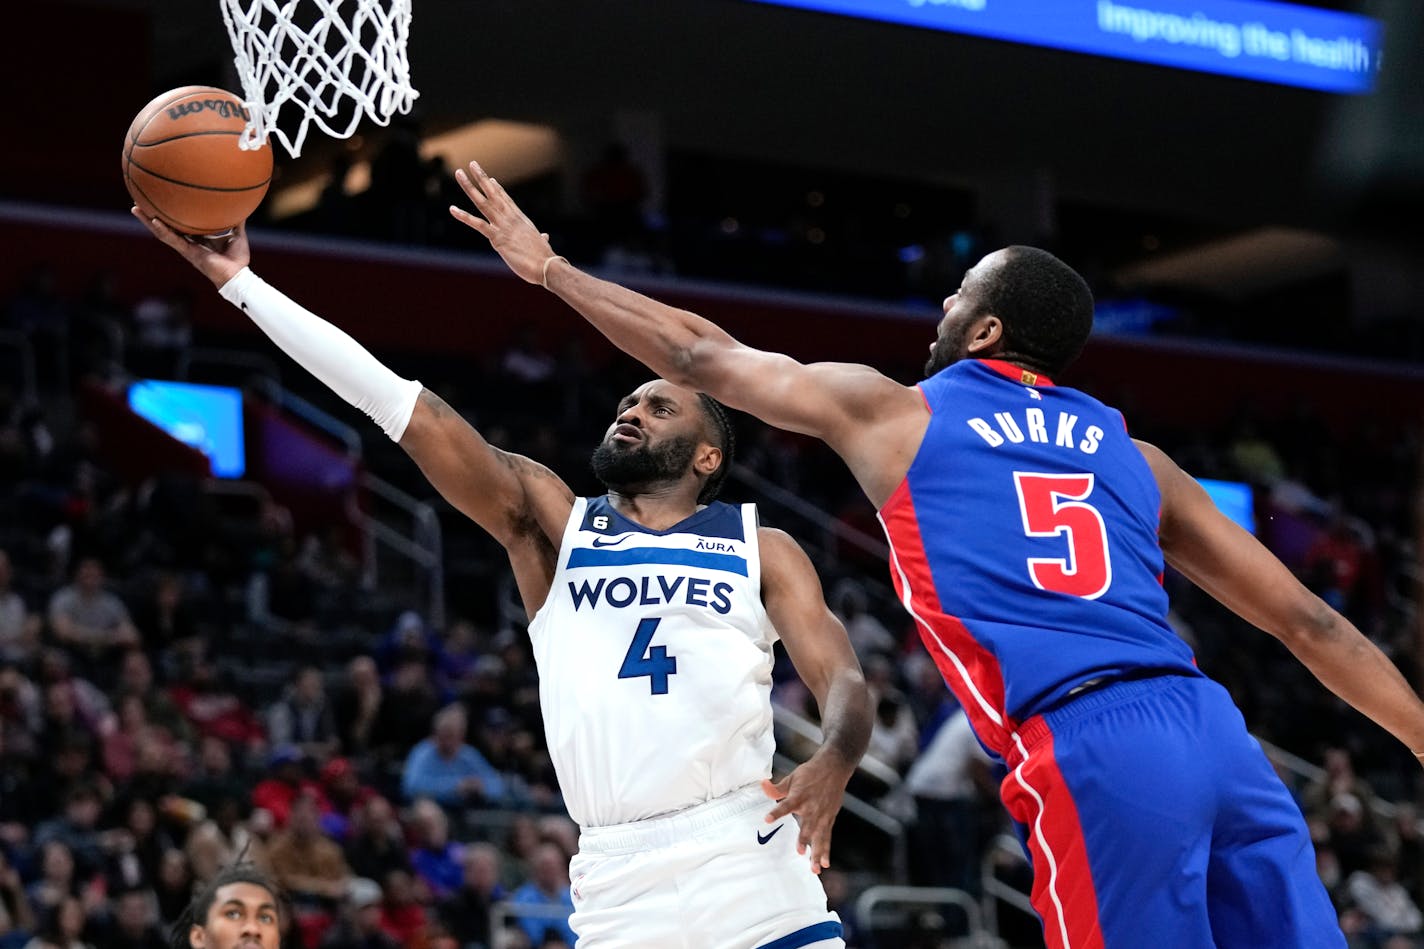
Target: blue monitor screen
x,y
1234,499
1262,40
209,418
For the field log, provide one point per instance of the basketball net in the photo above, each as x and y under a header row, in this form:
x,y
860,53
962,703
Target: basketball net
x,y
335,60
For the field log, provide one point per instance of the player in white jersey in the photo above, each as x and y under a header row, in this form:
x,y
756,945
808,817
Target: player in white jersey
x,y
653,611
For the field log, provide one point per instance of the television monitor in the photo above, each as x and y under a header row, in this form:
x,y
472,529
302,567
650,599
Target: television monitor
x,y
209,418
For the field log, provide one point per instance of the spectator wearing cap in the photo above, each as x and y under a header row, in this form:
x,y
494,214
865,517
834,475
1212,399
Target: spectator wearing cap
x,y
359,925
344,794
548,887
445,768
284,783
434,856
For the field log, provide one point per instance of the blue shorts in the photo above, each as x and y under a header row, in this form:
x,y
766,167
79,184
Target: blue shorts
x,y
1153,819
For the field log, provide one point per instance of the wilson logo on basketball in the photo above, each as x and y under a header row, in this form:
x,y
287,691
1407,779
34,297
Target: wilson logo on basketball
x,y
222,107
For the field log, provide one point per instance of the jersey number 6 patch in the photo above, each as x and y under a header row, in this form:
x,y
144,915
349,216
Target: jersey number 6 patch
x,y
644,659
1055,505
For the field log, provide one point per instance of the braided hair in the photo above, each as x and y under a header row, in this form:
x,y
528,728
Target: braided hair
x,y
719,426
196,913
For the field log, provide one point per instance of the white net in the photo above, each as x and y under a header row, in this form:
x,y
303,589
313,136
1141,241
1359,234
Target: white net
x,y
334,60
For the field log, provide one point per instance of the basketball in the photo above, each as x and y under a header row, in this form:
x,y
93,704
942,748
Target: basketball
x,y
182,161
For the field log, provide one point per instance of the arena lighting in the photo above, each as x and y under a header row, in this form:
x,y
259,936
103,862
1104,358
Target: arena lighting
x,y
1265,41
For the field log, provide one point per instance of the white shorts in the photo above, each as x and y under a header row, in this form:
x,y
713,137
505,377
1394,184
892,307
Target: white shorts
x,y
715,876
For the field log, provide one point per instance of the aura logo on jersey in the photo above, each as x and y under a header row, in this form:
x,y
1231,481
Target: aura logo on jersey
x,y
622,592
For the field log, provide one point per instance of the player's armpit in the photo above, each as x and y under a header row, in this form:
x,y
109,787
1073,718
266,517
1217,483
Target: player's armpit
x,y
510,496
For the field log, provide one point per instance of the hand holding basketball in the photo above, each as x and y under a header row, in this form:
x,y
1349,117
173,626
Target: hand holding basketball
x,y
510,232
181,161
217,258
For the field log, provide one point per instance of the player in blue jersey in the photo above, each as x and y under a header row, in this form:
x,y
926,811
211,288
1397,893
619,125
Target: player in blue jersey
x,y
1028,536
653,612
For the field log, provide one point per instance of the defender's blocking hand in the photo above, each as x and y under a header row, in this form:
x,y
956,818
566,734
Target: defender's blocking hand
x,y
509,231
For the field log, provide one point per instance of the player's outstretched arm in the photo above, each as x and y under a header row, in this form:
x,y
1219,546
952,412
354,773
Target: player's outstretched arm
x,y
819,648
1223,559
521,503
852,408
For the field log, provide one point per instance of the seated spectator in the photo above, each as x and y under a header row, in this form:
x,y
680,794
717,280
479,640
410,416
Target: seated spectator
x,y
17,921
466,911
409,702
548,887
302,717
402,916
77,828
164,616
136,678
284,783
133,924
305,862
443,767
359,924
214,709
1376,892
174,886
215,779
435,858
58,880
87,706
63,927
357,704
87,618
376,844
344,794
19,628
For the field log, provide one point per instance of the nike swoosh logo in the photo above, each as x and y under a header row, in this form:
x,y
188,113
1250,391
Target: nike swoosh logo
x,y
609,543
763,840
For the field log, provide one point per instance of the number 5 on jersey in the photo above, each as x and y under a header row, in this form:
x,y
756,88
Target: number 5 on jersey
x,y
1055,505
644,659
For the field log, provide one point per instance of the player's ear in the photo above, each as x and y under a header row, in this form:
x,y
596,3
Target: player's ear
x,y
197,937
708,460
986,334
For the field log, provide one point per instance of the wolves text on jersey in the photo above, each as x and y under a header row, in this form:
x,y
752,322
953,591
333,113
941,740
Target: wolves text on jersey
x,y
1006,427
620,592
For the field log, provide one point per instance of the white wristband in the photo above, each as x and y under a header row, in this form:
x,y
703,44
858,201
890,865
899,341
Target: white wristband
x,y
326,352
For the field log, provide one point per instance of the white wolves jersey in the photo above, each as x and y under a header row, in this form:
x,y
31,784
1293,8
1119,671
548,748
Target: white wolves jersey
x,y
655,656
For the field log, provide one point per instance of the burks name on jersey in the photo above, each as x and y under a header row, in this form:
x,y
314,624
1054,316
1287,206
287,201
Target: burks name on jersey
x,y
1006,429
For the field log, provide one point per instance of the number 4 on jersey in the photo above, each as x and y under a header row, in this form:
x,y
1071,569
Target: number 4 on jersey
x,y
1055,505
645,660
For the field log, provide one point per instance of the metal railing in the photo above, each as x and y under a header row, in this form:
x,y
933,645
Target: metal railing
x,y
422,545
869,814
871,905
996,891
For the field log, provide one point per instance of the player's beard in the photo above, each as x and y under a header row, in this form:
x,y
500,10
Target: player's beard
x,y
627,469
947,351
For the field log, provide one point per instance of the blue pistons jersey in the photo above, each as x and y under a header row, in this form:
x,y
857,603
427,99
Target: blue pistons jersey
x,y
1024,543
655,655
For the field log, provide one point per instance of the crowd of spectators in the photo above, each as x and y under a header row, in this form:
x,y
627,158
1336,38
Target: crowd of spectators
x,y
158,720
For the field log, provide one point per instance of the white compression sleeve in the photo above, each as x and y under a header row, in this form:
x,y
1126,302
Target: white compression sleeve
x,y
326,352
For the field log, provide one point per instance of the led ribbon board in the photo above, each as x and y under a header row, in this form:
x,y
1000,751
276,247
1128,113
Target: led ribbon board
x,y
1250,39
